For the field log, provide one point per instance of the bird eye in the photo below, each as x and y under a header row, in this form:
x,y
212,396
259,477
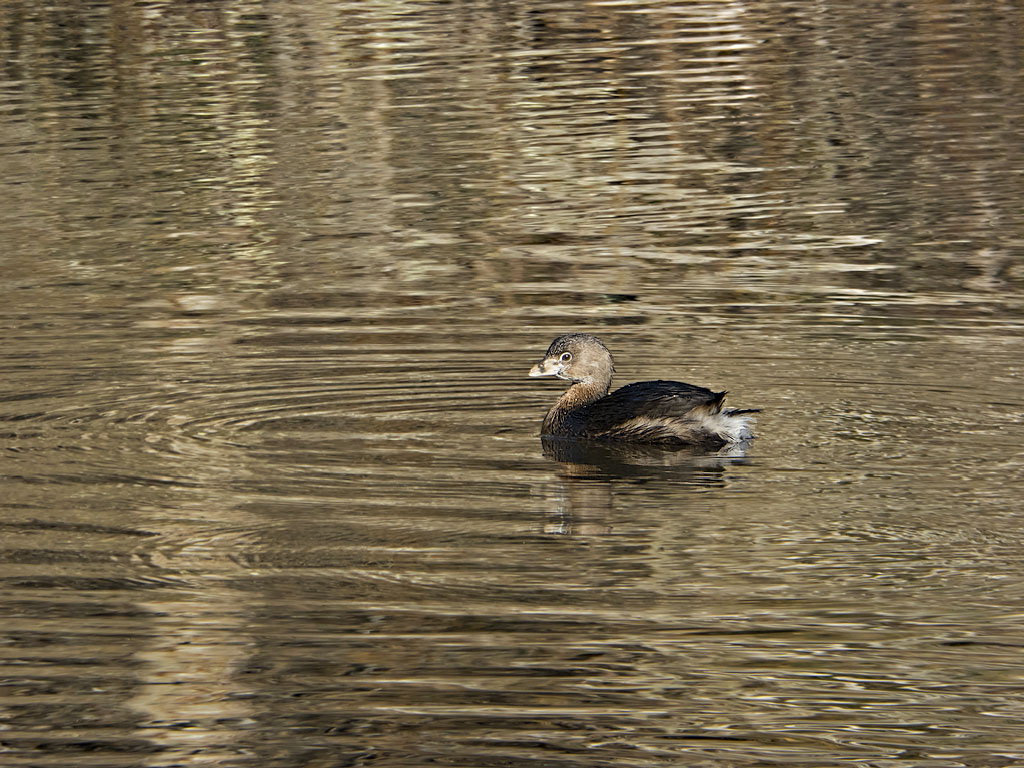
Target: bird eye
x,y
566,357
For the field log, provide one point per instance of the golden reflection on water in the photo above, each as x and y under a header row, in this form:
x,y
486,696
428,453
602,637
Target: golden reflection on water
x,y
272,489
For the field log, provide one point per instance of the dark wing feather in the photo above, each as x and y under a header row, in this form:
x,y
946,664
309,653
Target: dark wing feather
x,y
649,399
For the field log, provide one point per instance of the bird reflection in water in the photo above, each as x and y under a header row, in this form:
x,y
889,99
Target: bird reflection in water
x,y
590,471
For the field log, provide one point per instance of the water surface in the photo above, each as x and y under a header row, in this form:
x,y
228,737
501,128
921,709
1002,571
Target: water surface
x,y
273,275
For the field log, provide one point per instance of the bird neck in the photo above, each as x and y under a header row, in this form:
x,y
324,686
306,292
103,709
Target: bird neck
x,y
565,418
583,393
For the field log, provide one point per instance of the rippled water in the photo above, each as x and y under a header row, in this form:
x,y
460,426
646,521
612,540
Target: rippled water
x,y
271,491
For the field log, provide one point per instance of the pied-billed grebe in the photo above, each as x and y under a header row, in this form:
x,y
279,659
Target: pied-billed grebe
x,y
664,412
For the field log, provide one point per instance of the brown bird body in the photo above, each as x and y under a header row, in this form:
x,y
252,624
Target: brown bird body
x,y
662,412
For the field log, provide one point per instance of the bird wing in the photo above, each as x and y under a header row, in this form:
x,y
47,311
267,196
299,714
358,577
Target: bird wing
x,y
651,400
